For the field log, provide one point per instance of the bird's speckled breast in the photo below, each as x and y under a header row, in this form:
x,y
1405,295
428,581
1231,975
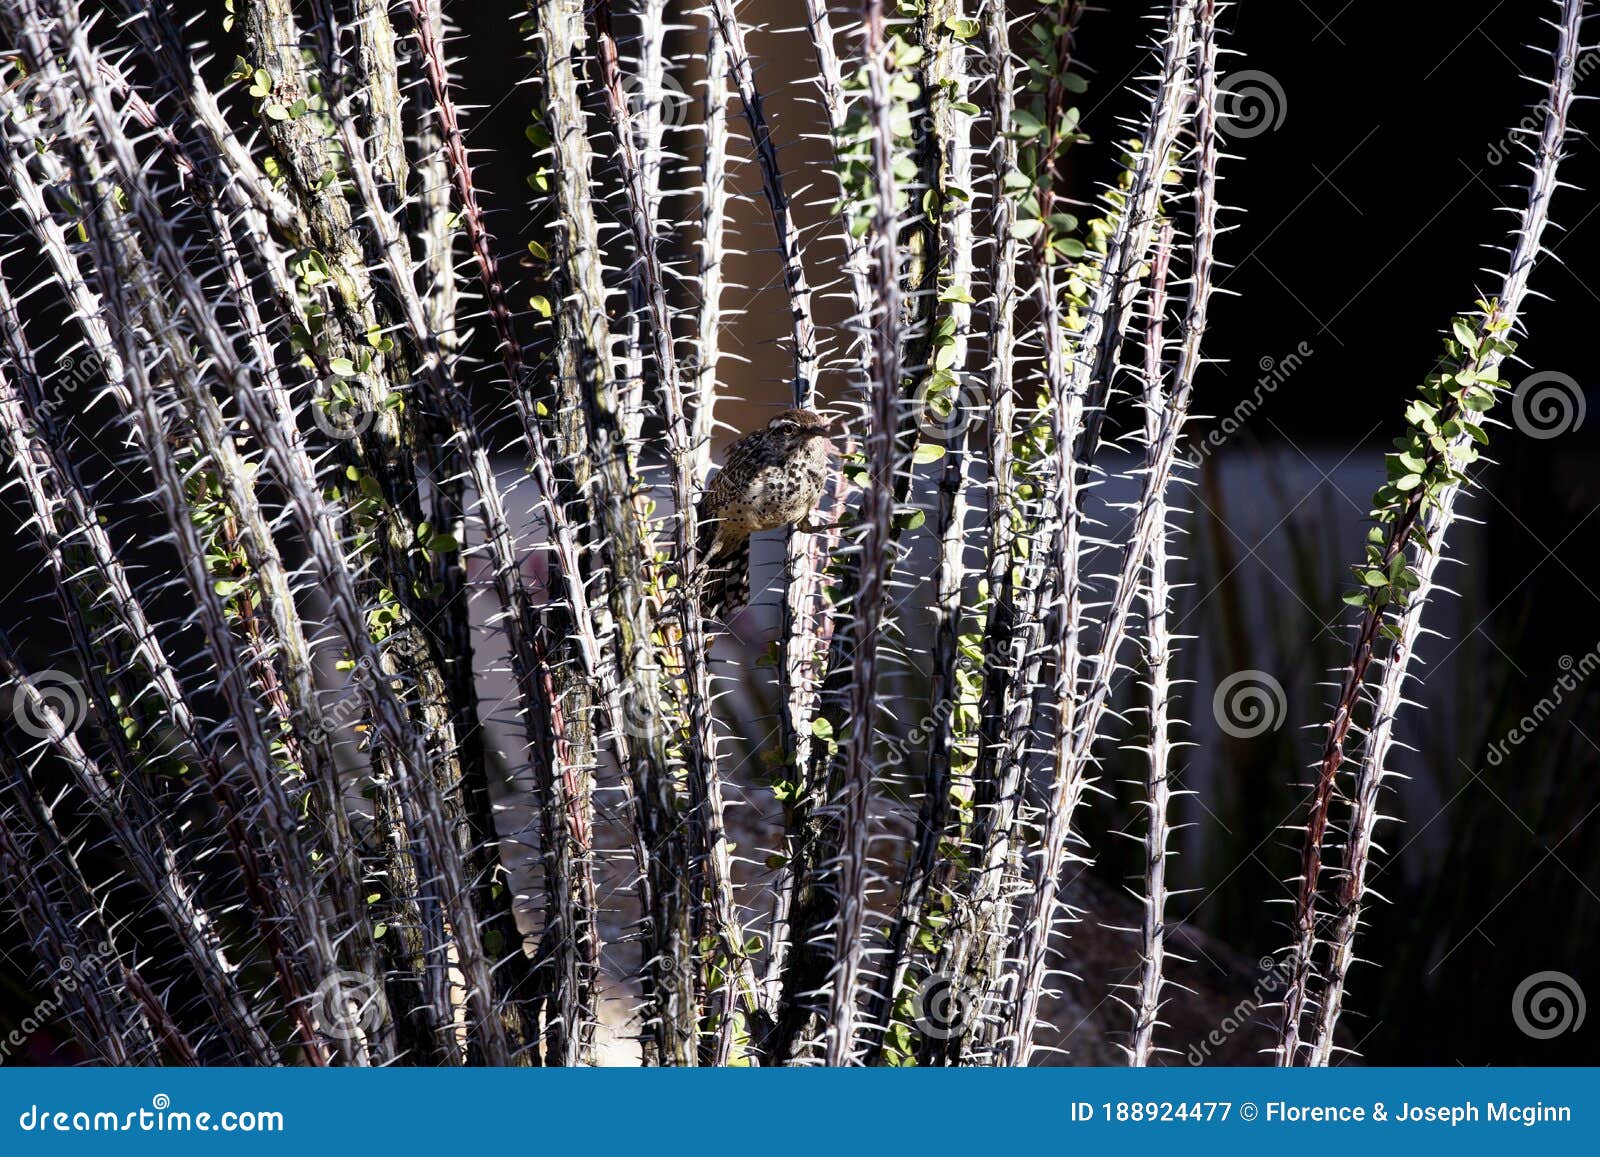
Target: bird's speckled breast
x,y
783,489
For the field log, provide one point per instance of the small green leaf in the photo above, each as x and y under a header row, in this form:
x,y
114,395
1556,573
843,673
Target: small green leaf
x,y
1027,125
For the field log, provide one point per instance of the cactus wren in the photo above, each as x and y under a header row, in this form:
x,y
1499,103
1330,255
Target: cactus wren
x,y
772,477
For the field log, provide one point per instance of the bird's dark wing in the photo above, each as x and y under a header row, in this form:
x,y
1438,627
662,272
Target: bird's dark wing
x,y
740,463
742,459
727,583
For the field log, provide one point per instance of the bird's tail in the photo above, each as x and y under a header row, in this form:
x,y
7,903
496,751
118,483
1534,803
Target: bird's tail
x,y
727,582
